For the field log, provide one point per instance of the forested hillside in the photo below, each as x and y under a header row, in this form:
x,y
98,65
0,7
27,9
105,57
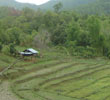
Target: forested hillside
x,y
67,4
17,5
81,35
81,6
70,4
98,7
73,59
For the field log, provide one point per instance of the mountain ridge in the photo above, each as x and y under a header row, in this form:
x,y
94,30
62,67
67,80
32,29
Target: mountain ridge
x,y
81,6
70,4
17,5
67,4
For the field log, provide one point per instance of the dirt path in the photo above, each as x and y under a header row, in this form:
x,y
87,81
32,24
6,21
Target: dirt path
x,y
5,93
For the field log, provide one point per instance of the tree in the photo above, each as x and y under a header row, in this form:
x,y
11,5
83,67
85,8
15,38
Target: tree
x,y
14,34
59,35
12,49
84,39
57,7
28,13
72,31
42,39
94,28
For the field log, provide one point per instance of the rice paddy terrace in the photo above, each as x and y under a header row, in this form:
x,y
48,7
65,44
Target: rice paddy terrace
x,y
60,79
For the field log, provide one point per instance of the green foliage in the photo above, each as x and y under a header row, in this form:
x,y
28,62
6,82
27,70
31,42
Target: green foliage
x,y
1,46
15,4
83,7
12,49
72,31
94,27
13,33
80,35
59,35
97,7
6,50
67,4
58,7
84,39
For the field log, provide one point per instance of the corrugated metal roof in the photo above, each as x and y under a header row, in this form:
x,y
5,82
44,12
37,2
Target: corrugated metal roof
x,y
32,50
27,53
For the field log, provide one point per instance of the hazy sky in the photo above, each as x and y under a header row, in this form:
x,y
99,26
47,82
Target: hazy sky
x,y
38,2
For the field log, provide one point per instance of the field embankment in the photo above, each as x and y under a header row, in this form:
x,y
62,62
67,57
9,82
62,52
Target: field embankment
x,y
61,79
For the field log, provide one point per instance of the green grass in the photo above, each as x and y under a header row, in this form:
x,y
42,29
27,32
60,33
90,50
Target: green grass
x,y
57,77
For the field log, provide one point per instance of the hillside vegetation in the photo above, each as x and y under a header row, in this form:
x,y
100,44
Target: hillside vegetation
x,y
74,46
99,7
17,5
80,35
67,4
82,6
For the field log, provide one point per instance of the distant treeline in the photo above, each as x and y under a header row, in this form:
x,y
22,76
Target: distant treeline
x,y
81,6
81,35
99,7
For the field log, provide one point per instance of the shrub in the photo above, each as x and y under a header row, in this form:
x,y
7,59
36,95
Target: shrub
x,y
86,52
12,49
108,54
1,47
6,49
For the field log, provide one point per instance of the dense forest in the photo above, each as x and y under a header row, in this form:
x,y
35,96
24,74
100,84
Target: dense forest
x,y
49,5
78,34
81,6
17,5
98,7
67,4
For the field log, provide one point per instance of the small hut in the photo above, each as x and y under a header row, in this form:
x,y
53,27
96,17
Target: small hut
x,y
29,52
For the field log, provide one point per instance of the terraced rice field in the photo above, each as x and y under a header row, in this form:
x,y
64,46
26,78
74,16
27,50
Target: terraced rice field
x,y
62,79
